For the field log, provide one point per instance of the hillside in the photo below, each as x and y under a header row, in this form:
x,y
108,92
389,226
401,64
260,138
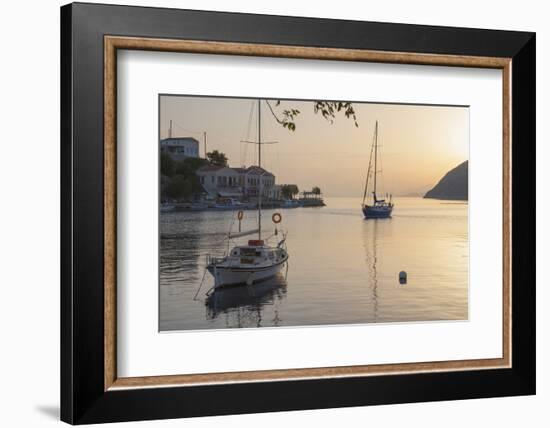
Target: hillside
x,y
453,186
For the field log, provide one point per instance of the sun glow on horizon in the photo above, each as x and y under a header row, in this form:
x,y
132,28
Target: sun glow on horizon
x,y
418,143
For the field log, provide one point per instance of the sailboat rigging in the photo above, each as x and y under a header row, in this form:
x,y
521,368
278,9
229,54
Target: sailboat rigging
x,y
256,261
380,208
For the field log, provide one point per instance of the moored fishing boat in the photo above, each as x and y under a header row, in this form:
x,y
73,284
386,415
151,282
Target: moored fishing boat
x,y
290,203
166,207
228,204
257,261
248,264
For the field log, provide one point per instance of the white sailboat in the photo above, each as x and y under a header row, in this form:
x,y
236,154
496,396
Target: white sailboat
x,y
257,261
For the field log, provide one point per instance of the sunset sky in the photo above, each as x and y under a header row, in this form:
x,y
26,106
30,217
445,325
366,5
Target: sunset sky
x,y
418,144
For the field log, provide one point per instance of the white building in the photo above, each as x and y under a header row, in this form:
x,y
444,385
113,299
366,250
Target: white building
x,y
220,181
255,178
180,147
237,182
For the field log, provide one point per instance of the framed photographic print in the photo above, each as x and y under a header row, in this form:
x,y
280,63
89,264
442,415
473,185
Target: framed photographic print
x,y
265,213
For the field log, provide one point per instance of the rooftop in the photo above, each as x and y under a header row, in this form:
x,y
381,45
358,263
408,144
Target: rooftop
x,y
179,140
207,168
257,170
253,170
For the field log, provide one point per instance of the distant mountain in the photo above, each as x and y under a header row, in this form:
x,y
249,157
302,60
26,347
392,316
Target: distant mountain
x,y
415,191
453,186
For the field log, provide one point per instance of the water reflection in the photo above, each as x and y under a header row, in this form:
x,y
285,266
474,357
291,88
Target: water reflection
x,y
186,239
370,234
242,306
343,269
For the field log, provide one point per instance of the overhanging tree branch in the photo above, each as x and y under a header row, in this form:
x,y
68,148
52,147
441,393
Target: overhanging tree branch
x,y
328,109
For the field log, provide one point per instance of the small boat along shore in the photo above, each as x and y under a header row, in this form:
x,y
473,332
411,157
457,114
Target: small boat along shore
x,y
235,205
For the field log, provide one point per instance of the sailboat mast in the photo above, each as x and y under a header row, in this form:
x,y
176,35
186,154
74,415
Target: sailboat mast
x,y
369,169
375,158
259,133
260,165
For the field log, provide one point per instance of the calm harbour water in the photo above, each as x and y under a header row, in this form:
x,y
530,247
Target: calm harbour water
x,y
342,269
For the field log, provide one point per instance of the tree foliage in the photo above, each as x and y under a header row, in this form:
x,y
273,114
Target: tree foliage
x,y
217,158
316,190
179,177
167,165
188,166
179,187
328,109
288,191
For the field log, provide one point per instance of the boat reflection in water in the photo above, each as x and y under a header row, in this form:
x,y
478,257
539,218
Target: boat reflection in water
x,y
342,270
244,306
370,243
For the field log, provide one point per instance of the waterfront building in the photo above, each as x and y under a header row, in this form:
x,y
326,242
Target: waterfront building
x,y
221,181
242,183
276,192
180,148
255,178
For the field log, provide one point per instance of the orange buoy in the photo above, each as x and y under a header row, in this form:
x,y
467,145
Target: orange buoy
x,y
276,218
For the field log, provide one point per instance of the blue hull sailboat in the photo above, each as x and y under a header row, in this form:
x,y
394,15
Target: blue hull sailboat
x,y
380,208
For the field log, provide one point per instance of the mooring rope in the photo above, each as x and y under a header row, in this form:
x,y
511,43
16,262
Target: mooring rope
x,y
200,286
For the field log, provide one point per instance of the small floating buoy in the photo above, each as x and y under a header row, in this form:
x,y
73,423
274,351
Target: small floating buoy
x,y
402,277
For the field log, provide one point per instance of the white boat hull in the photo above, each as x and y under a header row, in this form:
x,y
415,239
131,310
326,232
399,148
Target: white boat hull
x,y
228,276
